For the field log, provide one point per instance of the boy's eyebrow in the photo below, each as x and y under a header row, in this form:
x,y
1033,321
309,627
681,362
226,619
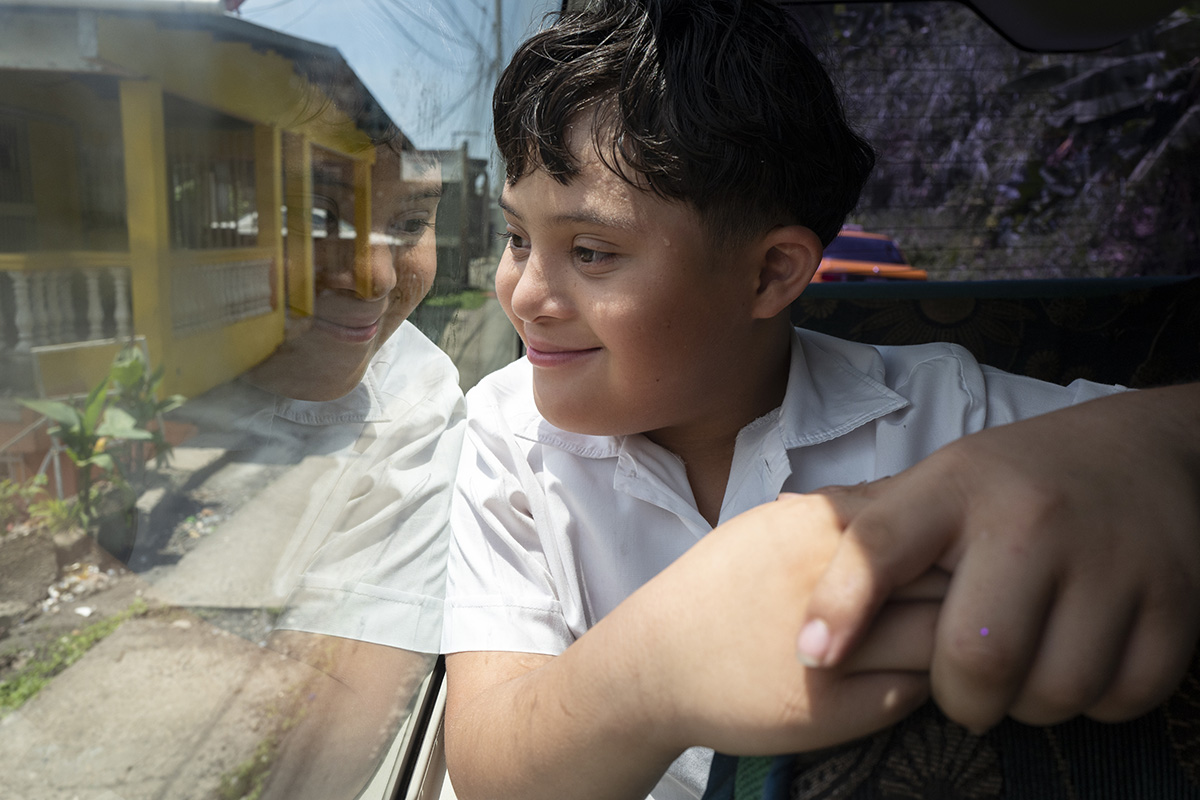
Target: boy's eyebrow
x,y
430,193
592,217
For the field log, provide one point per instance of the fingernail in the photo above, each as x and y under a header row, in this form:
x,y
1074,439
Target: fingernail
x,y
813,643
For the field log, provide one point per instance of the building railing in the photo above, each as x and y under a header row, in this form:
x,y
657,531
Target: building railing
x,y
58,298
214,288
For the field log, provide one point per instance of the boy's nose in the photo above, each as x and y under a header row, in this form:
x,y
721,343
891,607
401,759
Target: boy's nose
x,y
535,292
371,275
375,277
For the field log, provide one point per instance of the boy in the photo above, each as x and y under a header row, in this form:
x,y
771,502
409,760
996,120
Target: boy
x,y
673,171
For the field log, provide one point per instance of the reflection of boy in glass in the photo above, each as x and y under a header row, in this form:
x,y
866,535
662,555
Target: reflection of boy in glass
x,y
356,308
358,400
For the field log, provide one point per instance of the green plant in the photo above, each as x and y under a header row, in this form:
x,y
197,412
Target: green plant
x,y
64,652
136,387
57,516
16,499
85,433
467,300
108,429
247,780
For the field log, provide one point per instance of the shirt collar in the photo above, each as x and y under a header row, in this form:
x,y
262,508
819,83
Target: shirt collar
x,y
833,387
361,405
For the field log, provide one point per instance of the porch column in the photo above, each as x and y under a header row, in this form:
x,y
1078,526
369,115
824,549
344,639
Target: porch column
x,y
268,194
297,154
362,228
143,131
95,311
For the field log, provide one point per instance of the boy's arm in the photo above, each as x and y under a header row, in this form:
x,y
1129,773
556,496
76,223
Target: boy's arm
x,y
351,711
700,655
1074,539
517,727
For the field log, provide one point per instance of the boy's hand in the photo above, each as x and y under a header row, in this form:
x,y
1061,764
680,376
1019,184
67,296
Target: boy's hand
x,y
729,681
1074,542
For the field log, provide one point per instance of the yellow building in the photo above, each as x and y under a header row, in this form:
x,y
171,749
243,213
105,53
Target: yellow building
x,y
156,180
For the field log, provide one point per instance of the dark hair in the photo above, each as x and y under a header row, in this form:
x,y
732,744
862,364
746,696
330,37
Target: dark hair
x,y
718,103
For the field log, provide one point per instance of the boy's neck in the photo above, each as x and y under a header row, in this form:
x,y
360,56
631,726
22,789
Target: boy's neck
x,y
706,446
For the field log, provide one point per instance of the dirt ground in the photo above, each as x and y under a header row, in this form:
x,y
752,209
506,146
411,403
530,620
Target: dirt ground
x,y
176,702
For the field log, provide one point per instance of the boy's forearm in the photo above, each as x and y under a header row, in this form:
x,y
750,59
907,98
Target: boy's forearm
x,y
581,725
351,710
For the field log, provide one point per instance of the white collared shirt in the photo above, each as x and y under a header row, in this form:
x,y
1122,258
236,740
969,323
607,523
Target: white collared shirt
x,y
372,473
552,529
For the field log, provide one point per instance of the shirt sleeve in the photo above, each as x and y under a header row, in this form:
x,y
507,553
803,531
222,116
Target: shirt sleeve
x,y
500,593
951,395
1015,397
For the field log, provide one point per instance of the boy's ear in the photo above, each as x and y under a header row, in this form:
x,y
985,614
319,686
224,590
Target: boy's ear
x,y
789,259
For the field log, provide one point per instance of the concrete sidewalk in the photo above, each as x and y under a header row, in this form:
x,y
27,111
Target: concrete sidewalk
x,y
163,708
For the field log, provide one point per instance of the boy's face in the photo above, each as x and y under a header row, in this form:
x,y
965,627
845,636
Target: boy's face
x,y
358,306
631,318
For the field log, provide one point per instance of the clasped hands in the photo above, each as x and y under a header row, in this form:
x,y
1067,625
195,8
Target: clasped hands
x,y
1040,570
1073,541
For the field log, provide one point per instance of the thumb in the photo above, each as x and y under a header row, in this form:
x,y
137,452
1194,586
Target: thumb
x,y
890,538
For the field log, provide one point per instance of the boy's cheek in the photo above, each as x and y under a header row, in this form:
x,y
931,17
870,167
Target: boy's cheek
x,y
506,281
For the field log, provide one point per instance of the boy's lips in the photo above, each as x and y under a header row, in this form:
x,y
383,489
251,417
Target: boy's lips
x,y
544,354
354,332
348,319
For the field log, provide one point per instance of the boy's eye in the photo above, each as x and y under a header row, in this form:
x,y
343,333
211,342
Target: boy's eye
x,y
592,260
515,240
410,226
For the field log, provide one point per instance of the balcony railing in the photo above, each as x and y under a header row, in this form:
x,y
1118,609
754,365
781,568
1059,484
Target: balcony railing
x,y
83,297
211,289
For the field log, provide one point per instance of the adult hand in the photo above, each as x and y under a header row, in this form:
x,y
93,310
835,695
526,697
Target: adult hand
x,y
1074,543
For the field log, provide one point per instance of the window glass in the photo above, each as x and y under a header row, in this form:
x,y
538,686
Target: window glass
x,y
245,267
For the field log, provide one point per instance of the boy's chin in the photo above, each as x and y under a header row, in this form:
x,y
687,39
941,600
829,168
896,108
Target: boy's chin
x,y
312,373
581,419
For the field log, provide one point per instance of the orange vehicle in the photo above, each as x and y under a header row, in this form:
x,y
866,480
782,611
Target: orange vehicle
x,y
855,255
